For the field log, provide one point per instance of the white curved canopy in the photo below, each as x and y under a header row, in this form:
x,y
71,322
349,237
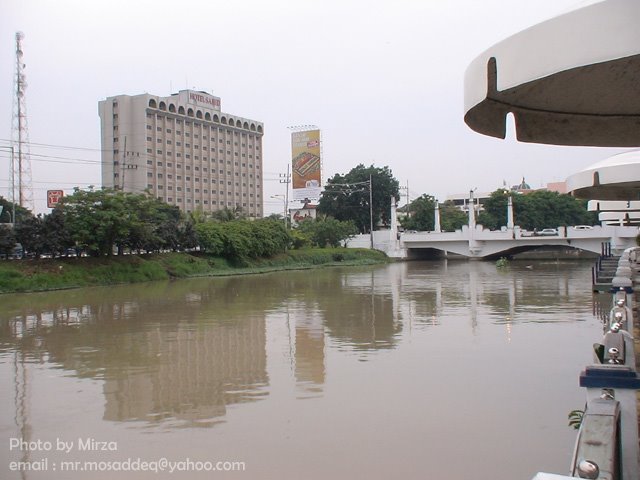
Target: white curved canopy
x,y
571,80
616,178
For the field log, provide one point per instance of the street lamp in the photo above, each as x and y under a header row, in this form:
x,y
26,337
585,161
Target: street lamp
x,y
284,204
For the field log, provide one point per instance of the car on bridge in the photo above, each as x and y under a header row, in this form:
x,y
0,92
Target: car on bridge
x,y
547,232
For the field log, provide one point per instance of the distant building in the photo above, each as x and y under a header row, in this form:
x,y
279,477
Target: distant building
x,y
461,200
308,211
559,187
184,150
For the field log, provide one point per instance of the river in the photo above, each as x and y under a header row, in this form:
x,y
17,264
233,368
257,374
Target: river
x,y
436,370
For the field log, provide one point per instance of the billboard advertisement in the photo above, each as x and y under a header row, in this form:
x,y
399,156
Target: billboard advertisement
x,y
54,197
306,172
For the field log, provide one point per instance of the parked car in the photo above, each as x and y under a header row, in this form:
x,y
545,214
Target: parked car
x,y
583,227
547,232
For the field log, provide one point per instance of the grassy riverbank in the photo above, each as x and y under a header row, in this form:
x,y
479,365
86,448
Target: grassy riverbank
x,y
51,274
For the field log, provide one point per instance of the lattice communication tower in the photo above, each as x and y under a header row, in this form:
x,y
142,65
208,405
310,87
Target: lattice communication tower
x,y
21,181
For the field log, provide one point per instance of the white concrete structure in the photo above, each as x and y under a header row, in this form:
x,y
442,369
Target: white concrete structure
x,y
571,80
616,178
184,150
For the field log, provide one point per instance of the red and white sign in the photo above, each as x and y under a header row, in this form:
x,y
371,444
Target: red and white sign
x,y
54,197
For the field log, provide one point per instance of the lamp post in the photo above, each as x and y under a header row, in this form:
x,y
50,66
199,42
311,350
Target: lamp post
x,y
284,204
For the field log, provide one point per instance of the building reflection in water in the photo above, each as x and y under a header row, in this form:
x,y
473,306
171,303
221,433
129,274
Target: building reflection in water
x,y
309,352
196,374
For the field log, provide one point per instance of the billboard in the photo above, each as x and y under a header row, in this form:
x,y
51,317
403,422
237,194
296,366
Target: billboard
x,y
306,169
54,197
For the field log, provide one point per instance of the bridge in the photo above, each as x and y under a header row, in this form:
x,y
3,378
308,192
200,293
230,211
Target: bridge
x,y
476,242
483,243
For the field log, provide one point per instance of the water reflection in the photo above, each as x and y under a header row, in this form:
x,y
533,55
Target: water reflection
x,y
179,356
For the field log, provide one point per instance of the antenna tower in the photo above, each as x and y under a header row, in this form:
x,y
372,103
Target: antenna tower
x,y
21,183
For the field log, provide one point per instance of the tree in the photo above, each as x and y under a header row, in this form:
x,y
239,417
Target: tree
x,y
420,214
494,215
346,197
327,231
536,210
101,219
451,217
7,240
57,237
7,209
29,233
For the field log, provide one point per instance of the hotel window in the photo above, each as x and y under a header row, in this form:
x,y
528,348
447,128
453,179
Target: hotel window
x,y
168,130
179,189
188,179
159,175
179,177
149,139
149,162
188,190
116,151
169,164
178,143
159,164
169,199
149,127
187,134
115,139
149,174
170,187
168,142
188,167
179,200
159,140
178,154
159,129
160,187
149,150
159,152
169,175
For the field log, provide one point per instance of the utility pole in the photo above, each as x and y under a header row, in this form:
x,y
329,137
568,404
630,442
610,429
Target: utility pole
x,y
371,210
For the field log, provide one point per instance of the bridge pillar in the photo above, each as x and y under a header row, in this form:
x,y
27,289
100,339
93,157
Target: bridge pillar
x,y
436,219
510,223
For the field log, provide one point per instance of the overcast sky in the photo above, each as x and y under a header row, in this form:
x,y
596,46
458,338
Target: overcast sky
x,y
382,80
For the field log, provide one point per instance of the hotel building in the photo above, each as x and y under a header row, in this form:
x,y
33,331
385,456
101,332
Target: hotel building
x,y
183,150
